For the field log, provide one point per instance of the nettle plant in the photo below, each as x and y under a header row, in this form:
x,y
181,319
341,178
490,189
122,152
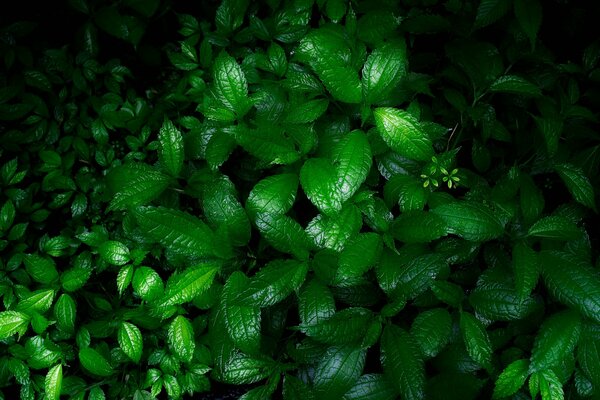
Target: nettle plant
x,y
314,200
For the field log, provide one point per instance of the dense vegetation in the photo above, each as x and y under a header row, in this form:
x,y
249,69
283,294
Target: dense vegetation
x,y
299,199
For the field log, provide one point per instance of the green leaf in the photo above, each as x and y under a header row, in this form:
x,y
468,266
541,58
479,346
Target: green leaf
x,y
550,386
7,215
418,227
147,283
135,184
191,282
319,182
242,369
551,128
417,274
231,86
588,357
432,330
39,301
531,199
489,11
371,387
335,231
94,362
284,234
527,269
403,133
499,302
242,321
124,278
53,382
130,341
170,152
338,370
515,85
65,310
511,379
329,184
113,252
406,191
267,143
382,71
306,112
343,327
42,270
555,340
12,322
578,184
572,283
470,220
476,339
176,230
360,254
180,337
555,227
273,195
273,283
402,363
315,303
529,16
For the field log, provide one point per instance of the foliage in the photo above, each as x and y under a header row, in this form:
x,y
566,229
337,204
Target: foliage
x,y
316,199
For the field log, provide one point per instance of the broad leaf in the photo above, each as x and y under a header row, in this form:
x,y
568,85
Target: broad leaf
x,y
176,230
135,184
403,134
53,382
384,68
418,227
470,220
476,339
338,370
555,227
402,363
432,330
185,286
130,341
171,148
12,322
578,184
180,337
94,362
231,87
273,283
572,283
511,379
555,340
42,270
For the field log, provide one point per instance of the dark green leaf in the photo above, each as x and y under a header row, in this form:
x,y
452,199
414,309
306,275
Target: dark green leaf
x,y
383,70
180,337
578,184
338,370
403,133
572,283
555,340
470,220
402,363
53,382
476,339
94,362
171,148
418,227
511,379
176,230
135,184
555,227
130,341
